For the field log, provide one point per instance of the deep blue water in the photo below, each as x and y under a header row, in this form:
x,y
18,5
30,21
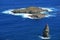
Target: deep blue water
x,y
18,28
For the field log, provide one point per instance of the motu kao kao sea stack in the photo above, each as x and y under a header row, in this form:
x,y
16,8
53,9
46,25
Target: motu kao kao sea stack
x,y
46,31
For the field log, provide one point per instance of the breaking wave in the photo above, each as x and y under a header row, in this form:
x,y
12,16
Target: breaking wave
x,y
26,15
44,37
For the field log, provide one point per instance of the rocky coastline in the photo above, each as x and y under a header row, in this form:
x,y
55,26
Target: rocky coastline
x,y
35,11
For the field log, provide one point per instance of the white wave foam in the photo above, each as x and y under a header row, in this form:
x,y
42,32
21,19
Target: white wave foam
x,y
44,37
50,16
49,9
8,11
22,8
27,15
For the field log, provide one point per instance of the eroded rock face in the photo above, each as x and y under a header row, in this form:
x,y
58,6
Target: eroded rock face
x,y
37,16
46,31
29,10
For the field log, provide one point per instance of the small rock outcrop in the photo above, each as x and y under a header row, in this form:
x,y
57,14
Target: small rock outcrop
x,y
46,31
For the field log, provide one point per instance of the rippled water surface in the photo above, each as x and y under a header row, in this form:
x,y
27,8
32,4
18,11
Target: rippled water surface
x,y
14,27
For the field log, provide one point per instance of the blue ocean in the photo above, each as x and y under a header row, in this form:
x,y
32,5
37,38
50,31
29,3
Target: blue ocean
x,y
14,27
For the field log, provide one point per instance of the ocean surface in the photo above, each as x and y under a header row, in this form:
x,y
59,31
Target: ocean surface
x,y
16,27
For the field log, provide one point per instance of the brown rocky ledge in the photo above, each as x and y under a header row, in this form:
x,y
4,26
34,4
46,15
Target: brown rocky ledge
x,y
31,10
37,16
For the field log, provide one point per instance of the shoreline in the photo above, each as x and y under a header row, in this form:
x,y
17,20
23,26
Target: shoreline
x,y
25,15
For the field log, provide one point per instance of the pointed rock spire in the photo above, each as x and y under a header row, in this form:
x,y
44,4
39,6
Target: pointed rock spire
x,y
46,31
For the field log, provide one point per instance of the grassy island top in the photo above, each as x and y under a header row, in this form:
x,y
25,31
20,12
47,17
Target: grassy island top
x,y
30,10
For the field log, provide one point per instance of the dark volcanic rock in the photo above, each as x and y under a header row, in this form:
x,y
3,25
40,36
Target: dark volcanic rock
x,y
46,31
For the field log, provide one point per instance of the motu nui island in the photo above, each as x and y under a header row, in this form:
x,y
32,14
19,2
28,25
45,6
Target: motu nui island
x,y
34,12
